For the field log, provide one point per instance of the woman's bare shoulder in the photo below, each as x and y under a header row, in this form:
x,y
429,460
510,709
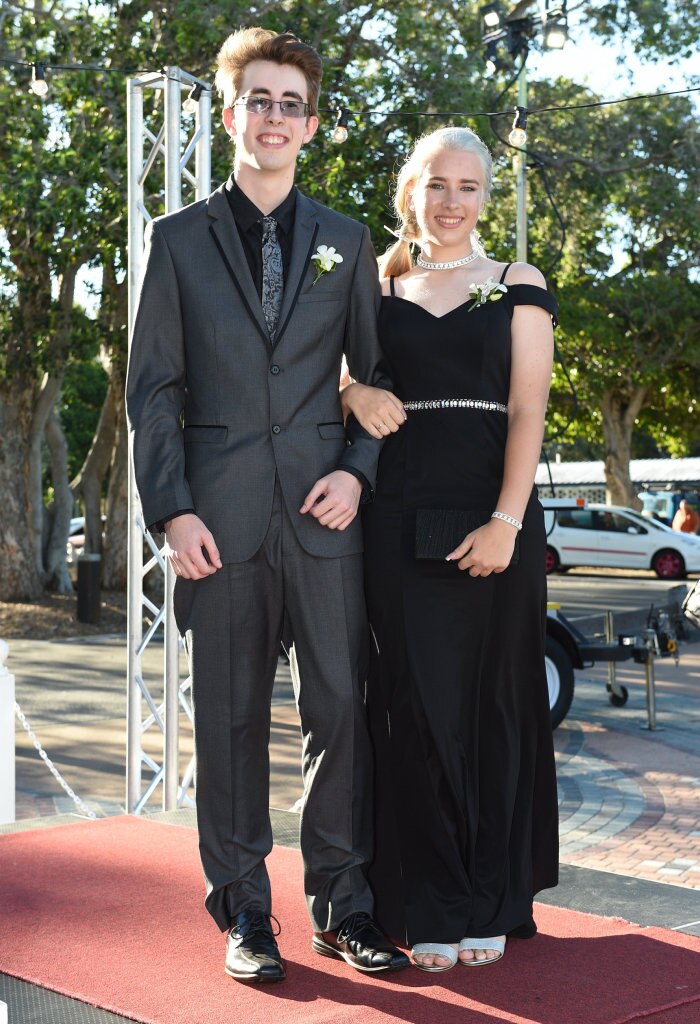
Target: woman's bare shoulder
x,y
399,282
525,273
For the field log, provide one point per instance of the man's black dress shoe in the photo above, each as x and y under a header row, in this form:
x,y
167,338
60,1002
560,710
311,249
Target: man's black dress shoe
x,y
359,942
251,951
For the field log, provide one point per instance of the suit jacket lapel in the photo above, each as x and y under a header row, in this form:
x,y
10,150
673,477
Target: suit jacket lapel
x,y
225,235
305,232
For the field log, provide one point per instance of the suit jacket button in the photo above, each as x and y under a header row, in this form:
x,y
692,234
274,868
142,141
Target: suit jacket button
x,y
276,428
274,369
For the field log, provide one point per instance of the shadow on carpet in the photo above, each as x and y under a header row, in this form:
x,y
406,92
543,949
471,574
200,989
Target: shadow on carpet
x,y
111,912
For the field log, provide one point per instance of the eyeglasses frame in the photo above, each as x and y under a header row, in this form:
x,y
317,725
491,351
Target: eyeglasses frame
x,y
243,100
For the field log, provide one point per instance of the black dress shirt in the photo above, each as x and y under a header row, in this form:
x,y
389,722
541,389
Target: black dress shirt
x,y
248,220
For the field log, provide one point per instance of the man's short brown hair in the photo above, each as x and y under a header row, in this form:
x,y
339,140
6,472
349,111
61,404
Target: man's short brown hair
x,y
249,44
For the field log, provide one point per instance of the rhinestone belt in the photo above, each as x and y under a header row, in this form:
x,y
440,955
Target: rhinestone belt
x,y
455,403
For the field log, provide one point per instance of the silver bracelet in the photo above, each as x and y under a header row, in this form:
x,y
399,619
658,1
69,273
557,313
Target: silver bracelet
x,y
508,519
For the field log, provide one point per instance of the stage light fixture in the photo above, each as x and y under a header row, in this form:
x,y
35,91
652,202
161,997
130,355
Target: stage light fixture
x,y
493,61
555,34
492,17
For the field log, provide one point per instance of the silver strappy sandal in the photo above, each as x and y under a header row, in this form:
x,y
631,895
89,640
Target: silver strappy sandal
x,y
498,943
436,949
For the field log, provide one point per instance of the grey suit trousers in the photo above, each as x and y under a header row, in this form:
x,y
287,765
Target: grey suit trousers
x,y
232,623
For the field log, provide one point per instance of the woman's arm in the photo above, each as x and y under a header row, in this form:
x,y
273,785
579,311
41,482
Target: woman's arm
x,y
489,549
378,411
532,350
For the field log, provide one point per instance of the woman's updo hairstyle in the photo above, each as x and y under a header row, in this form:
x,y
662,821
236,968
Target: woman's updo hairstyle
x,y
397,259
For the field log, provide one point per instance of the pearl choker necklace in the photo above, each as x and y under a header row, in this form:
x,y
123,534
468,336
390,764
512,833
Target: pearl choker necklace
x,y
449,264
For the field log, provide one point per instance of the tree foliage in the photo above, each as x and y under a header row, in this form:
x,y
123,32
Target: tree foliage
x,y
624,179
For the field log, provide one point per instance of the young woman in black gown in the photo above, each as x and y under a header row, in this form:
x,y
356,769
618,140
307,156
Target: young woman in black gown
x,y
466,790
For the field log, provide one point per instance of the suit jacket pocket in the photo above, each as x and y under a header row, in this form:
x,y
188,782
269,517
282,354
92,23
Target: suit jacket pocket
x,y
319,294
331,431
204,435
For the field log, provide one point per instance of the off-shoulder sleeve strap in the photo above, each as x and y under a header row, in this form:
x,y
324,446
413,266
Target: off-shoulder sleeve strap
x,y
533,295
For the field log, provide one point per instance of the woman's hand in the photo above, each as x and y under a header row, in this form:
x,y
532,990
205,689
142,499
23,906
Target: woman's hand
x,y
486,550
378,411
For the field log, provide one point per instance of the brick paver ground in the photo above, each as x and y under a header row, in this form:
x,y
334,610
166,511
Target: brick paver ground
x,y
630,797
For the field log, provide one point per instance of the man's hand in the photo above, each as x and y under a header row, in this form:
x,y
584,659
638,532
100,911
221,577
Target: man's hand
x,y
334,500
186,542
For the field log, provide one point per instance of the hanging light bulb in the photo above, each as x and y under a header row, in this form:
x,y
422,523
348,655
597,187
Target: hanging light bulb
x,y
340,132
39,85
191,104
518,134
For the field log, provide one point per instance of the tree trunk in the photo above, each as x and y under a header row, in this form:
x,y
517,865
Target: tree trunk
x,y
56,568
47,394
116,561
20,579
88,483
114,312
619,415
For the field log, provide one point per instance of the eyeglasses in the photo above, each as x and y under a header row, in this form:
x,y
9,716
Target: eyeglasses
x,y
263,104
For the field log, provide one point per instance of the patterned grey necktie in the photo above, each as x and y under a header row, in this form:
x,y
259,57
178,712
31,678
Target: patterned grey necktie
x,y
272,274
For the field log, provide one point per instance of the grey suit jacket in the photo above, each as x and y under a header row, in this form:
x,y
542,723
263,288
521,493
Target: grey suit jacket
x,y
215,411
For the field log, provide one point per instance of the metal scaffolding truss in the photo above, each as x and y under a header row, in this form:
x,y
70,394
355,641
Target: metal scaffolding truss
x,y
157,130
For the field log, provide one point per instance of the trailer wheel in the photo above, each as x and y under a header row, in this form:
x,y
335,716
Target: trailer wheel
x,y
618,700
560,680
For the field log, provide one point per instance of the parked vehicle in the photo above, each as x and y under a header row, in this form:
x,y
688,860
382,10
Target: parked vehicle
x,y
76,539
663,505
619,538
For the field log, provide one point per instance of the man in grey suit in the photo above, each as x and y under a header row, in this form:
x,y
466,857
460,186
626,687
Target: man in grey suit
x,y
241,456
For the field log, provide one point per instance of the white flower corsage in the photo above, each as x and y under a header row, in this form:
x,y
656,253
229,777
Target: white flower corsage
x,y
325,259
488,291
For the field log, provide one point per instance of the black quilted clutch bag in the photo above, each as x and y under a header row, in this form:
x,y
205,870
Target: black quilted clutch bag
x,y
440,530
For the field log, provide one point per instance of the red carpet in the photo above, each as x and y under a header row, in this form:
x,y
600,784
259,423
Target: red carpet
x,y
111,912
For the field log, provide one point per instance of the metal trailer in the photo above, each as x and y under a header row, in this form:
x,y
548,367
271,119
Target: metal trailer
x,y
567,649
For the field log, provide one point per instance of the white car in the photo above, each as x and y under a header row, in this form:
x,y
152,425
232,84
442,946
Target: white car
x,y
620,539
76,539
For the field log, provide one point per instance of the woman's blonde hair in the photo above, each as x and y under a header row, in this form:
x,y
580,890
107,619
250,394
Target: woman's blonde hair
x,y
397,259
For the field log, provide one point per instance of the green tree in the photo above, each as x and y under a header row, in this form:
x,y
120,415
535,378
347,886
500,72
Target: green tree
x,y
625,193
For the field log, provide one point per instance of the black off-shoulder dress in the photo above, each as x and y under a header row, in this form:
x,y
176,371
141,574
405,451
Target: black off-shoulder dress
x,y
457,697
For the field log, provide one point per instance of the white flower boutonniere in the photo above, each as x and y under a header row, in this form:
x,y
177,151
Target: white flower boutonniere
x,y
488,291
325,259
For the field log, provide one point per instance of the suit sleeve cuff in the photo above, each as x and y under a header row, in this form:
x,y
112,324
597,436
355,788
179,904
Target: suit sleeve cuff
x,y
159,527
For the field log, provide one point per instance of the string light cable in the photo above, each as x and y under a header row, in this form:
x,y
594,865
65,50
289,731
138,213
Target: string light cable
x,y
340,134
93,68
